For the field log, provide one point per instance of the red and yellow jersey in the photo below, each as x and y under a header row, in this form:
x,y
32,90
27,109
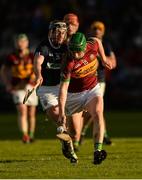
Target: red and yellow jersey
x,y
21,67
82,73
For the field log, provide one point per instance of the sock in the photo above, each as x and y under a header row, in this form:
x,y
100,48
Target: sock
x,y
98,146
31,134
76,143
84,130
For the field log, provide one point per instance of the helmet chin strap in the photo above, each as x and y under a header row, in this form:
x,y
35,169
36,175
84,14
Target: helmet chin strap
x,y
52,44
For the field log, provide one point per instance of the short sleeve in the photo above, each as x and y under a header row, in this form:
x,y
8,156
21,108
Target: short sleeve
x,y
42,50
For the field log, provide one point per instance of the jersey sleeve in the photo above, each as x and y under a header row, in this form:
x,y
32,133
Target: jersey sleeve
x,y
42,50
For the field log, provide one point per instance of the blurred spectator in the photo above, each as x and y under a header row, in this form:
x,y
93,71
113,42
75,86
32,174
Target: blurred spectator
x,y
18,77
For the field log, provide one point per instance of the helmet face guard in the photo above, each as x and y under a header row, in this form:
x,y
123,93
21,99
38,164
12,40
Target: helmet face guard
x,y
77,42
57,32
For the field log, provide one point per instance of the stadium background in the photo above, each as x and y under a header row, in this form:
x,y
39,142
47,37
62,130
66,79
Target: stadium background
x,y
123,20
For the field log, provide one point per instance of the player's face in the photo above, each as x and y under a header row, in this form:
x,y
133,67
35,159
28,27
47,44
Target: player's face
x,y
77,54
22,44
58,36
72,27
98,32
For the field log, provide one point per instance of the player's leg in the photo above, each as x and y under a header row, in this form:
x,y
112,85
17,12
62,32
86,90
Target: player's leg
x,y
67,145
32,102
52,113
49,100
68,151
74,110
48,97
22,121
32,121
77,121
87,121
107,139
95,108
22,113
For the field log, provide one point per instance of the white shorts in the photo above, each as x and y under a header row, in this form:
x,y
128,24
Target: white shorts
x,y
103,87
76,102
48,96
18,96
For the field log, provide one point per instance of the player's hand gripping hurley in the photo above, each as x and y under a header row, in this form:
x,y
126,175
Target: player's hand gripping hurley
x,y
29,92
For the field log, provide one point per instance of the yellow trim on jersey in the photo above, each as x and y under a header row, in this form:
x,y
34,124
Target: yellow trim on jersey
x,y
87,69
21,71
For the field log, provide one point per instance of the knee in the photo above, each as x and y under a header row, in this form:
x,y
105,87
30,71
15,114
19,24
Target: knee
x,y
22,113
77,131
31,115
53,110
97,113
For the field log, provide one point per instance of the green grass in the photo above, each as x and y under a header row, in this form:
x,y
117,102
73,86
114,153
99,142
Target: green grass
x,y
43,159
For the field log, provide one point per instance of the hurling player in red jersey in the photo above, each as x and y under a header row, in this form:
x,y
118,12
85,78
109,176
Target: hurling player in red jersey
x,y
18,76
75,123
79,89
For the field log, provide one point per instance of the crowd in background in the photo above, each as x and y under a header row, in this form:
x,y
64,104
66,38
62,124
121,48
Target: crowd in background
x,y
123,29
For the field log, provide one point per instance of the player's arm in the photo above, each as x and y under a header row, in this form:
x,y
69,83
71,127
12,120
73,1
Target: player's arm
x,y
38,60
64,84
101,51
62,101
112,58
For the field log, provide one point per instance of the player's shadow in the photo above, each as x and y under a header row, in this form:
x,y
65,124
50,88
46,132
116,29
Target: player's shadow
x,y
8,161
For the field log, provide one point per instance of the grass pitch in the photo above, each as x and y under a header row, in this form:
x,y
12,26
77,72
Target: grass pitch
x,y
43,159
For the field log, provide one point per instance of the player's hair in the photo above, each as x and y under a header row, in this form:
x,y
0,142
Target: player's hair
x,y
98,25
21,36
71,17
